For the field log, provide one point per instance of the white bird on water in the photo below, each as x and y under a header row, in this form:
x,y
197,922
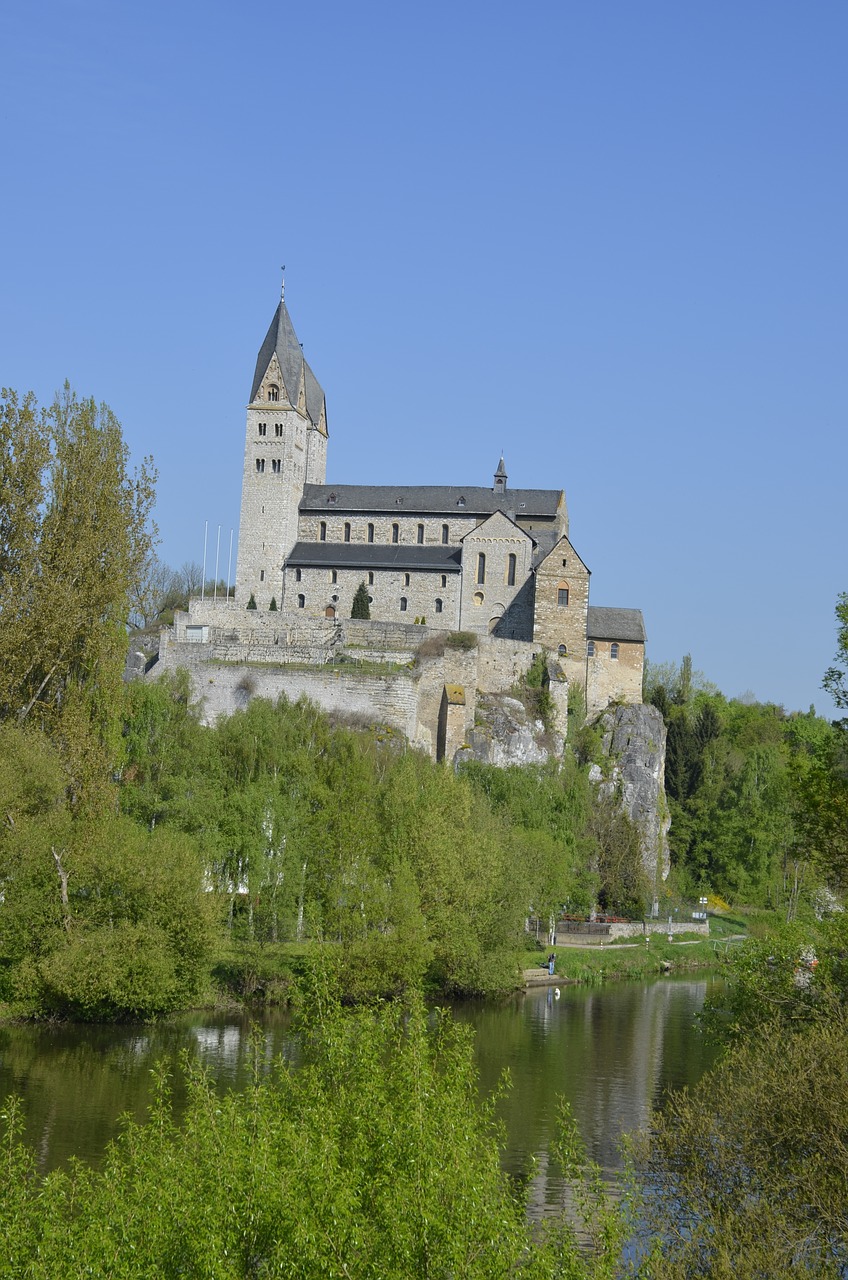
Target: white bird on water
x,y
556,993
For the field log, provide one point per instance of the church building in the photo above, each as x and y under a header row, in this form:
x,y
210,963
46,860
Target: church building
x,y
487,559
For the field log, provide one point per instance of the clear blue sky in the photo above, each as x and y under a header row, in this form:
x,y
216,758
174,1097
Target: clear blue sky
x,y
607,239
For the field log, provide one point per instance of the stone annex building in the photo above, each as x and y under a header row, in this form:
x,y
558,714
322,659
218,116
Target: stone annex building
x,y
491,560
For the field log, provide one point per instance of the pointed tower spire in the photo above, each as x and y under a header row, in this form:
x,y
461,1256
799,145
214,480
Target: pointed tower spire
x,y
282,350
500,478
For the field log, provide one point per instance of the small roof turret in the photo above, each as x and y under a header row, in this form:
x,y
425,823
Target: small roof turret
x,y
301,386
500,478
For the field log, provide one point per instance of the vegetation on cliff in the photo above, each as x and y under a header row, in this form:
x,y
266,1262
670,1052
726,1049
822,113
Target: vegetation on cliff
x,y
757,796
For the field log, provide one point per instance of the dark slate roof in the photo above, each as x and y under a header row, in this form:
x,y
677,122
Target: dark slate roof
x,y
374,555
615,624
545,540
436,499
282,338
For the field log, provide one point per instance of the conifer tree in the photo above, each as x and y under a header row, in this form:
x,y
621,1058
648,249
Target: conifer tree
x,y
361,607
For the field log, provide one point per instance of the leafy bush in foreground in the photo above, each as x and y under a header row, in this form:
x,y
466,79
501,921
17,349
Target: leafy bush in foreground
x,y
373,1158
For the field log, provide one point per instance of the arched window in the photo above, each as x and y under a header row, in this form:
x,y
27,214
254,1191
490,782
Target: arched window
x,y
403,604
590,649
420,534
510,571
347,531
395,533
262,428
273,392
370,577
370,533
301,602
260,465
322,531
478,597
438,606
298,574
276,465
445,533
481,568
334,575
562,595
406,579
614,649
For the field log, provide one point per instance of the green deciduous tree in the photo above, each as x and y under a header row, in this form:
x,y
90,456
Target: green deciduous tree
x,y
746,1175
75,543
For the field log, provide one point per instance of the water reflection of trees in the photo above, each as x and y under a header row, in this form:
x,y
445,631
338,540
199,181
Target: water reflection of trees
x,y
612,1052
77,1081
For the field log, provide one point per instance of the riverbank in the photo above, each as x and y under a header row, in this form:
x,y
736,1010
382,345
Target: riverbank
x,y
592,961
652,958
245,977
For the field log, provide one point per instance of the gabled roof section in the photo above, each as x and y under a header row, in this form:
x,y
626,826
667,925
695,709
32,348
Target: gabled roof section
x,y
484,530
443,500
297,375
615,624
559,545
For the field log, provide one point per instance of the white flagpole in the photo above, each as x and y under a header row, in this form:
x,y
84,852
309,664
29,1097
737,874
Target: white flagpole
x,y
229,566
217,553
203,580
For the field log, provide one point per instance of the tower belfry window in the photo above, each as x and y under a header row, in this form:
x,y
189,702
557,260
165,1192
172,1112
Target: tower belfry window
x,y
262,428
276,465
260,465
278,429
273,392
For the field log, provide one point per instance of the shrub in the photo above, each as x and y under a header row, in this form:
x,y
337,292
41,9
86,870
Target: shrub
x,y
461,640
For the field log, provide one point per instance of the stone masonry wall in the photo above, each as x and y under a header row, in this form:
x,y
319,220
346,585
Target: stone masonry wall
x,y
394,594
563,624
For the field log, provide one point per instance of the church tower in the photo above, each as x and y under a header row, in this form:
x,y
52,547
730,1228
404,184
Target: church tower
x,y
285,448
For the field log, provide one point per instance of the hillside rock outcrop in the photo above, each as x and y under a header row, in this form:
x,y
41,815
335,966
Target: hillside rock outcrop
x,y
634,743
505,733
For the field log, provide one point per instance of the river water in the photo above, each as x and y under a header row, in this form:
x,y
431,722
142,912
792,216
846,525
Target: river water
x,y
612,1051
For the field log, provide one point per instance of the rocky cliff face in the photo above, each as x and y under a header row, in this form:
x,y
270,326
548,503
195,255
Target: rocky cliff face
x,y
634,742
633,771
505,733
